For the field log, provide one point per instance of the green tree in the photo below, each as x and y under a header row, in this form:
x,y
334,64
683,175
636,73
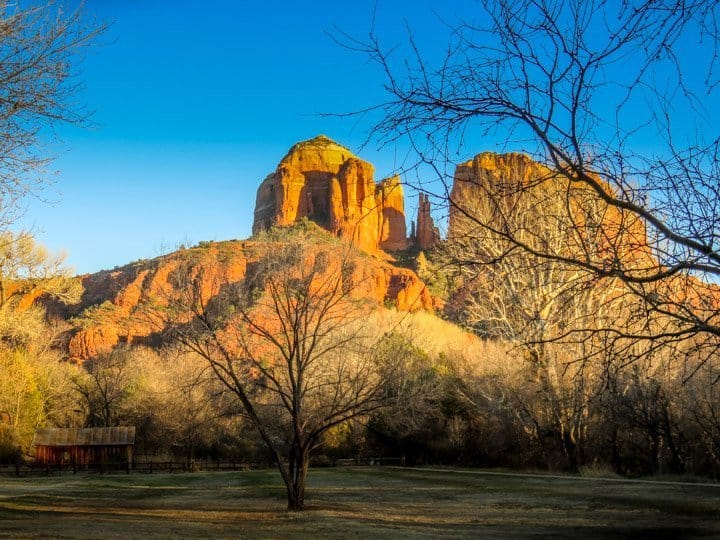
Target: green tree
x,y
39,53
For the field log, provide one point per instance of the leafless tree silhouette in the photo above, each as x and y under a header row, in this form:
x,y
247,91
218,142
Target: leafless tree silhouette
x,y
581,86
39,52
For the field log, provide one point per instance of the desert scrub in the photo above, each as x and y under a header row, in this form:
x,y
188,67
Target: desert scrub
x,y
303,231
430,268
95,314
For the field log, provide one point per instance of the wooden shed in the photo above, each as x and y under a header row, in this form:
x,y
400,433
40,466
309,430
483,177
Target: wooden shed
x,y
104,447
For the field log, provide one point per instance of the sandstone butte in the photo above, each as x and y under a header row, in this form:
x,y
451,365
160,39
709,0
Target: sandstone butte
x,y
521,183
324,182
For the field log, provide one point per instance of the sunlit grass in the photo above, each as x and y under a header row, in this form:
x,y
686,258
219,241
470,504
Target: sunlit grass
x,y
353,502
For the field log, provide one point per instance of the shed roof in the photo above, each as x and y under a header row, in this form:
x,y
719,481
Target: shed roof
x,y
102,436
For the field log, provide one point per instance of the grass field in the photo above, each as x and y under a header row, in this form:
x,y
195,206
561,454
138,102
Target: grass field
x,y
360,502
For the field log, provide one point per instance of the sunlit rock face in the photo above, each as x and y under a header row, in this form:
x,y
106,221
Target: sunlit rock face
x,y
426,233
389,194
114,309
515,193
323,181
485,174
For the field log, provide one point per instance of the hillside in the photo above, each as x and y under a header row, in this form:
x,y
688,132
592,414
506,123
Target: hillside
x,y
114,305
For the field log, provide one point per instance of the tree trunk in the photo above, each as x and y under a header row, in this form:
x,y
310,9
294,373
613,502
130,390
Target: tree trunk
x,y
616,457
677,460
296,495
570,449
656,450
298,462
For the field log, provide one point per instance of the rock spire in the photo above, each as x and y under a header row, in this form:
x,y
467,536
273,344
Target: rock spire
x,y
426,233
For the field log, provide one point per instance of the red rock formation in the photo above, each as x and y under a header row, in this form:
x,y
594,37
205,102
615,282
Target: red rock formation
x,y
515,183
488,173
426,233
116,301
324,182
93,341
356,215
389,197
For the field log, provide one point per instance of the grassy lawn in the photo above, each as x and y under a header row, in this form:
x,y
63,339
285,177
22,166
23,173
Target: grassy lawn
x,y
357,502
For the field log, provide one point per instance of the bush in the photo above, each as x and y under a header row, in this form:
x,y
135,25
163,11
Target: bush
x,y
10,451
304,231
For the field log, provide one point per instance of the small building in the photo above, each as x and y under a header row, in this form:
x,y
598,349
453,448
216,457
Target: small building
x,y
102,447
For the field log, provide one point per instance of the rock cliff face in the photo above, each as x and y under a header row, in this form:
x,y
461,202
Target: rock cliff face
x,y
114,303
528,195
486,173
389,195
324,182
426,234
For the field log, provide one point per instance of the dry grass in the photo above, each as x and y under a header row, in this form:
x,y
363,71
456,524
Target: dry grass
x,y
354,503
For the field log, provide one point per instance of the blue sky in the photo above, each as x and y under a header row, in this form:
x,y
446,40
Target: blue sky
x,y
194,104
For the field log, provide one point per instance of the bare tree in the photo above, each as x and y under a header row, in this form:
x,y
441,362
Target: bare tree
x,y
581,86
170,396
702,396
196,403
529,303
288,341
105,386
39,48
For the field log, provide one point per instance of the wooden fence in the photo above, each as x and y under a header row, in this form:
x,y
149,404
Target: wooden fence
x,y
151,464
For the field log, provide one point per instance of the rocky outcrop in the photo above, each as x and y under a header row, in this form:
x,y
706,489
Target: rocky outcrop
x,y
323,181
115,303
485,175
515,193
94,341
426,234
390,199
